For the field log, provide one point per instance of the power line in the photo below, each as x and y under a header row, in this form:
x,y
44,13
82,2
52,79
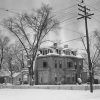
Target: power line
x,y
9,11
65,41
65,8
94,8
86,16
66,14
72,40
68,19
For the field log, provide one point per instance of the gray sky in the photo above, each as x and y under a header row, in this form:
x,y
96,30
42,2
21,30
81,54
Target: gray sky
x,y
58,7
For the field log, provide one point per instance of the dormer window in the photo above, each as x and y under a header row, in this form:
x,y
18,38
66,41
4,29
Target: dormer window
x,y
51,51
43,52
64,52
57,51
73,53
67,52
46,52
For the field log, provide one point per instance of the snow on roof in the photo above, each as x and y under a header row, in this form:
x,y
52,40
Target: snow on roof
x,y
79,56
4,73
40,54
16,74
52,53
97,76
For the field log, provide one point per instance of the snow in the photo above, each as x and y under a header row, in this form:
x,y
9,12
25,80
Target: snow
x,y
4,73
43,94
16,74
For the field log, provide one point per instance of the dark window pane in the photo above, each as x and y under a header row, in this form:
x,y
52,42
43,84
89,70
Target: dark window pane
x,y
69,64
57,51
55,64
60,65
56,79
44,64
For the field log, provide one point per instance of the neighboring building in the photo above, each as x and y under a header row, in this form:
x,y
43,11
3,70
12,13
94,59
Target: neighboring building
x,y
56,65
21,77
4,76
17,78
25,75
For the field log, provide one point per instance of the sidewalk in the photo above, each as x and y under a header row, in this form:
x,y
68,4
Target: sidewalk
x,y
56,87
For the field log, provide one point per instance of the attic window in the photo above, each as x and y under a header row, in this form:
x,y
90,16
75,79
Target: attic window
x,y
57,51
41,51
46,51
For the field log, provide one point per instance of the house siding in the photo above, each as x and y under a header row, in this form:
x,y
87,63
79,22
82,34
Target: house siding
x,y
60,73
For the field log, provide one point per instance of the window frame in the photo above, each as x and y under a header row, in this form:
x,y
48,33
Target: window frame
x,y
45,64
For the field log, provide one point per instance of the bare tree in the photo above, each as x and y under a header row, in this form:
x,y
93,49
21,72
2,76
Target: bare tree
x,y
14,59
39,23
95,52
4,40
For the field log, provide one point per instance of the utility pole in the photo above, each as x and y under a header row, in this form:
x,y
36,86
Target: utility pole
x,y
86,16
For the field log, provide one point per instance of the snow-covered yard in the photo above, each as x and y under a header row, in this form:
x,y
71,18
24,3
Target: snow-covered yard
x,y
44,94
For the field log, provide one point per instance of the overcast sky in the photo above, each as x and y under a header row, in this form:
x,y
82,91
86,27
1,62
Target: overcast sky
x,y
62,14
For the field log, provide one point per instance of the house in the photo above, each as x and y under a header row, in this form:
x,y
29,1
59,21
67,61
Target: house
x,y
21,77
4,76
57,65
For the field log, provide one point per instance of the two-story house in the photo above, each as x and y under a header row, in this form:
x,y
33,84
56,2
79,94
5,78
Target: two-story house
x,y
57,65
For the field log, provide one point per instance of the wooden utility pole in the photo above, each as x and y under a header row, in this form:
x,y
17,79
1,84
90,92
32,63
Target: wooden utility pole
x,y
86,16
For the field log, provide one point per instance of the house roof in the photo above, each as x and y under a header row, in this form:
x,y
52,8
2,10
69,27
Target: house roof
x,y
4,73
62,55
16,74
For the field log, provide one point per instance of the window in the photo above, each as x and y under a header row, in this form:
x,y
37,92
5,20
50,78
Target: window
x,y
56,79
73,53
68,79
60,64
41,80
67,52
43,52
57,51
46,51
80,63
69,64
44,64
75,65
73,79
55,64
51,51
64,52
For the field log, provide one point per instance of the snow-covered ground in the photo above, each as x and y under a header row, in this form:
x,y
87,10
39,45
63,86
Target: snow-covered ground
x,y
43,94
